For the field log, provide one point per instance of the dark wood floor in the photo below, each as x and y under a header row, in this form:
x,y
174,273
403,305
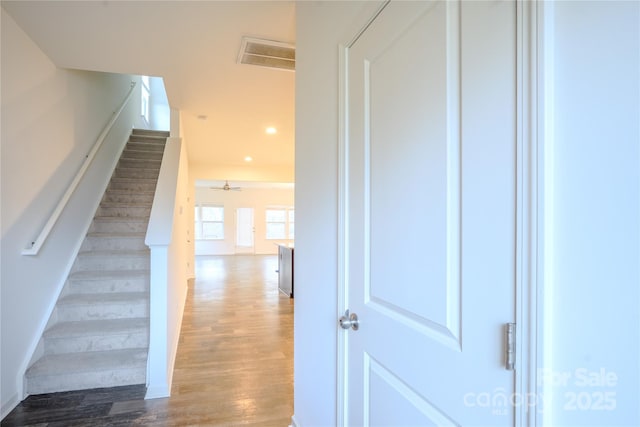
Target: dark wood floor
x,y
234,365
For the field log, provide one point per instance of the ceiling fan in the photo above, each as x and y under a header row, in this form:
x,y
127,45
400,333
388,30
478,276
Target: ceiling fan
x,y
226,187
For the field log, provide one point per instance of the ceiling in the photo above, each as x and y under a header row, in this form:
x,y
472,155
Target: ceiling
x,y
193,46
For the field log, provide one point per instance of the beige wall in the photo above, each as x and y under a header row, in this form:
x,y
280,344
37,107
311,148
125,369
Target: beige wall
x,y
257,198
212,171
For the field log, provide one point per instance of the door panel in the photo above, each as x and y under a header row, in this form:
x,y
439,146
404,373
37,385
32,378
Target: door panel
x,y
430,214
405,162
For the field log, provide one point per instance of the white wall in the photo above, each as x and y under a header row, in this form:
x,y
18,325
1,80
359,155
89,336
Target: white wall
x,y
177,131
159,110
592,291
257,198
180,261
50,119
321,27
170,226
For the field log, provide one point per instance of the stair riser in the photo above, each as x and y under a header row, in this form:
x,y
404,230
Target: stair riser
x,y
75,312
128,211
143,145
85,380
133,185
80,286
132,153
133,198
161,134
139,163
123,226
61,345
111,262
113,243
136,173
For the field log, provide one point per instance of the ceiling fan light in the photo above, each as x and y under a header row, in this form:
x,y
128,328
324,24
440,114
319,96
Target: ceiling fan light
x,y
226,187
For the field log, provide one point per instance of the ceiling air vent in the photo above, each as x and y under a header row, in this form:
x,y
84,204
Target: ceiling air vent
x,y
267,53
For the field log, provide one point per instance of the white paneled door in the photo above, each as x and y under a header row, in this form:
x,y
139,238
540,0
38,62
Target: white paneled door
x,y
244,231
430,215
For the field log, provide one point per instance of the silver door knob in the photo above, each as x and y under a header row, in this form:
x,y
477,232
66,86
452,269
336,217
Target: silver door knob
x,y
349,321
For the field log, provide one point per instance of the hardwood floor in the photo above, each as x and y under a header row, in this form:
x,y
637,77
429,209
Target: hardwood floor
x,y
234,365
235,358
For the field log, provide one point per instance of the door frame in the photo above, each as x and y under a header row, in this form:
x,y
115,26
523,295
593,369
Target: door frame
x,y
535,88
532,190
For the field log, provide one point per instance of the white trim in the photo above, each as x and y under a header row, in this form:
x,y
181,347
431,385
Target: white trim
x,y
9,405
534,202
534,198
453,38
157,392
368,23
294,422
342,401
342,404
526,214
544,191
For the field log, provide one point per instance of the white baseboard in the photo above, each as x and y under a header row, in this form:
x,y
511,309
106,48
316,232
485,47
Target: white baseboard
x,y
156,392
9,405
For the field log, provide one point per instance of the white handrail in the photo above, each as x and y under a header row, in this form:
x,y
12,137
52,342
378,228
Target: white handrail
x,y
35,245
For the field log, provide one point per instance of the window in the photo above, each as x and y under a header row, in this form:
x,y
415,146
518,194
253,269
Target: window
x,y
280,223
209,222
144,102
291,223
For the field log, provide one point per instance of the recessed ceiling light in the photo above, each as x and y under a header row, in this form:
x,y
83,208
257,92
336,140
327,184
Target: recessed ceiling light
x,y
248,159
271,130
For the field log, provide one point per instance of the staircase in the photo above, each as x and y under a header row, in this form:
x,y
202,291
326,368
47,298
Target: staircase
x,y
98,334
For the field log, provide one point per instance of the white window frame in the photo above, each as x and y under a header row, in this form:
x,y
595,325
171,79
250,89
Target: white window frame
x,y
145,93
289,226
199,222
291,222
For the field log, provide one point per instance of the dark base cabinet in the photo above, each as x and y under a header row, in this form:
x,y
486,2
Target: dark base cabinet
x,y
285,270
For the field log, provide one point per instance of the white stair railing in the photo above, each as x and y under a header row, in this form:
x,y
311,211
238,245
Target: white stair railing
x,y
34,247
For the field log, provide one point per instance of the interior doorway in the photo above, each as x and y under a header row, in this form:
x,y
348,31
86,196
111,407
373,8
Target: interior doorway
x,y
245,231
